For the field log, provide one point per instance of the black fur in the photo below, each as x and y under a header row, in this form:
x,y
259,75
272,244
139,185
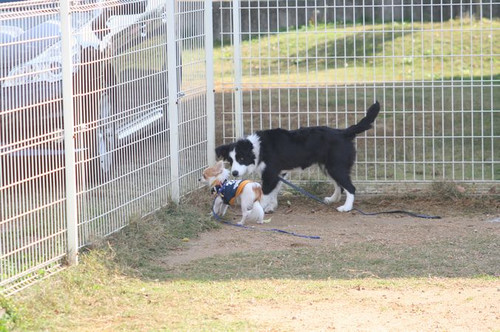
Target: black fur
x,y
223,151
281,150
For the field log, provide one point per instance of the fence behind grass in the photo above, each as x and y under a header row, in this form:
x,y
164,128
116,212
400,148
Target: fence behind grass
x,y
434,67
104,114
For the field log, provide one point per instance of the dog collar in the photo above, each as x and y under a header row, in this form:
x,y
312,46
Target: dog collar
x,y
217,186
216,183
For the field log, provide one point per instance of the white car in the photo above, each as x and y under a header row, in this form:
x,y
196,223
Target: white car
x,y
119,77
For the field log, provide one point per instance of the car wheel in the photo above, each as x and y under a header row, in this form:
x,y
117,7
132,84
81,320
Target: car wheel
x,y
103,141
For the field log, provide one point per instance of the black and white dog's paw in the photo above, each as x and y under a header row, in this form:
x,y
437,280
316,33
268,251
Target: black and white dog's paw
x,y
332,199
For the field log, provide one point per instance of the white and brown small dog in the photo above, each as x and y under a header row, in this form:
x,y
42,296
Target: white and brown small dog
x,y
244,192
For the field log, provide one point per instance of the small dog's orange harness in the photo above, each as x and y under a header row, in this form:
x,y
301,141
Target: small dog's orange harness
x,y
229,190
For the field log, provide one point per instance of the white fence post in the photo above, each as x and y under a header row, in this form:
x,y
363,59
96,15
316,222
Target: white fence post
x,y
209,68
173,97
238,94
69,133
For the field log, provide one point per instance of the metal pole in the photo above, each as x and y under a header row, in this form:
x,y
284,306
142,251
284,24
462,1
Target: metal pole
x,y
69,134
238,95
173,100
209,63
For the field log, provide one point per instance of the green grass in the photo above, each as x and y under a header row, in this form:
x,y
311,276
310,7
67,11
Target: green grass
x,y
8,315
336,53
469,257
162,232
437,84
123,304
123,281
332,54
109,272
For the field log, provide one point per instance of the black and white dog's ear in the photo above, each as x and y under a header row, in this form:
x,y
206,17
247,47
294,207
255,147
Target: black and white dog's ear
x,y
222,151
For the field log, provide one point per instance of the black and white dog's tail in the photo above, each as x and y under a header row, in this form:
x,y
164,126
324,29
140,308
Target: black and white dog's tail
x,y
365,123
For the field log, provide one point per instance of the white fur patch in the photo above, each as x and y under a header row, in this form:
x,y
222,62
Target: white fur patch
x,y
255,140
336,194
261,167
348,203
244,169
236,167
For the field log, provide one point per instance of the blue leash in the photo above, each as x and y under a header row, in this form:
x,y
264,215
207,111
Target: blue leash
x,y
218,218
316,198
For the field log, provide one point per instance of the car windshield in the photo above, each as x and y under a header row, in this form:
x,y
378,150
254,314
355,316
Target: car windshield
x,y
83,12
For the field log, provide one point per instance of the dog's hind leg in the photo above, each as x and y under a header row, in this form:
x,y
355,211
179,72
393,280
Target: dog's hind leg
x,y
271,186
257,213
244,217
349,201
246,211
344,180
336,194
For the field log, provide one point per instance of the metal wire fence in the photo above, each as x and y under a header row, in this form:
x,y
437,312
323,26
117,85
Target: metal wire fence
x,y
107,107
433,65
103,117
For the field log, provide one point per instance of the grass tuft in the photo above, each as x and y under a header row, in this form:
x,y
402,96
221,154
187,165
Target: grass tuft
x,y
8,314
138,247
446,191
462,197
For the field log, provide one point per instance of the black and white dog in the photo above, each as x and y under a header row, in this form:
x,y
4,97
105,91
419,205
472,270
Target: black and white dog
x,y
274,151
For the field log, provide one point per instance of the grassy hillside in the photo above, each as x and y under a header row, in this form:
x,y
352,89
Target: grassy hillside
x,y
345,53
438,84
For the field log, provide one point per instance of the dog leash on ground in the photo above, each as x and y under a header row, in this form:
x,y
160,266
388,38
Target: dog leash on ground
x,y
276,230
316,198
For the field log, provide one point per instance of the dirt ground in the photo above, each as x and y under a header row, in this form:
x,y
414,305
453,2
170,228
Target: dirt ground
x,y
451,305
305,217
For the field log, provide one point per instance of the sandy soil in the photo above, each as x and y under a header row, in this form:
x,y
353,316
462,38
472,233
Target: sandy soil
x,y
457,306
305,217
435,309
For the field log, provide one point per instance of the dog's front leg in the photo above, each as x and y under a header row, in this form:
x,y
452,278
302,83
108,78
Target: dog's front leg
x,y
224,209
270,202
219,207
265,202
273,196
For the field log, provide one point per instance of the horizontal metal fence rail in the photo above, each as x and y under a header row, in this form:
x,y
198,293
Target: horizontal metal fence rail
x,y
434,69
139,98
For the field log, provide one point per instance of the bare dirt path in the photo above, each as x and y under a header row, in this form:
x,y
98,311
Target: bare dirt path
x,y
436,304
301,216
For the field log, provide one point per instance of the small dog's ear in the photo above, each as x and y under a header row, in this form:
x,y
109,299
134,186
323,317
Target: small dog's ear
x,y
222,151
220,165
